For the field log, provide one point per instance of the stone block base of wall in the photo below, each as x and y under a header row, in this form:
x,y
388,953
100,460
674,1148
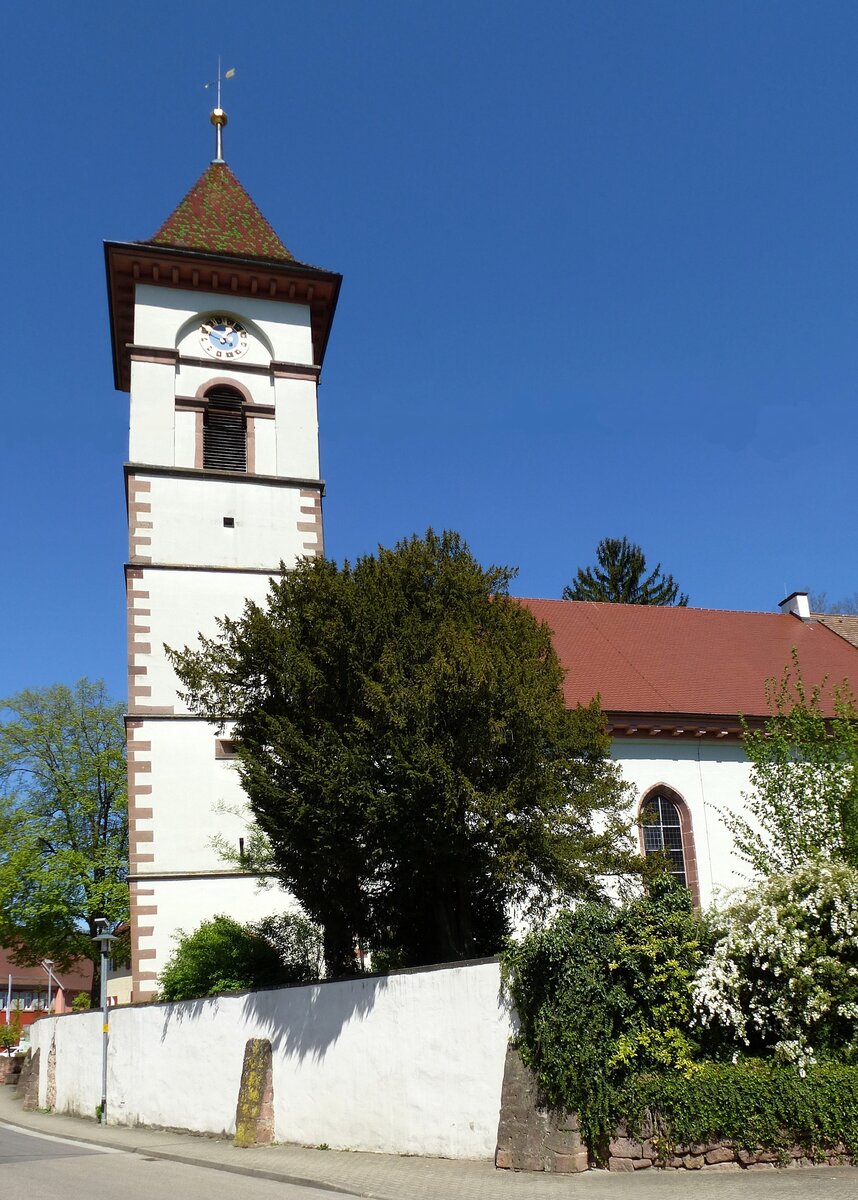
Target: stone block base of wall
x,y
533,1138
530,1137
28,1082
10,1068
630,1154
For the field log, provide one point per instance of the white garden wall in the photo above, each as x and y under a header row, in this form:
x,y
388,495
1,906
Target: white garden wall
x,y
410,1063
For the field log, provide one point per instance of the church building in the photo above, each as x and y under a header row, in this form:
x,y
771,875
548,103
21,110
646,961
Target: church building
x,y
672,683
219,335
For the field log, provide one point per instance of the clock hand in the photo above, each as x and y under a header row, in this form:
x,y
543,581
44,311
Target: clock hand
x,y
224,337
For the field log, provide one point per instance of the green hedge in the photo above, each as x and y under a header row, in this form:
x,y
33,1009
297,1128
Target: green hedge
x,y
751,1104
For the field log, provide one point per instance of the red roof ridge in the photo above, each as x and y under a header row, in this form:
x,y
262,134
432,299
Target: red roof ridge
x,y
750,612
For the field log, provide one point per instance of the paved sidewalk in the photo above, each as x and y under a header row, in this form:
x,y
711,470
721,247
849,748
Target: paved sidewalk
x,y
398,1177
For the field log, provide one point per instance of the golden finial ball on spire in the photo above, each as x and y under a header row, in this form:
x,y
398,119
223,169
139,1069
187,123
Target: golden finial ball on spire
x,y
218,119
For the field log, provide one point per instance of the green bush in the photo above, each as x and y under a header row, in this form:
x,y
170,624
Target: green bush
x,y
219,956
603,992
299,945
753,1104
10,1035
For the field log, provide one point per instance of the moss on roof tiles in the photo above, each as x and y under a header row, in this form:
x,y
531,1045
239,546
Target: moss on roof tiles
x,y
218,216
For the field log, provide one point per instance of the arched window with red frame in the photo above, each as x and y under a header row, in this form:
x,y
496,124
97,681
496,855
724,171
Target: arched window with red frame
x,y
665,825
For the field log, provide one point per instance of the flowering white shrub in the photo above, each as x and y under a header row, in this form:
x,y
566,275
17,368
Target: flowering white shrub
x,y
783,977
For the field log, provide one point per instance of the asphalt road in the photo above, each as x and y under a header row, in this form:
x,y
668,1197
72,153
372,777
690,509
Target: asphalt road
x,y
51,1168
39,1164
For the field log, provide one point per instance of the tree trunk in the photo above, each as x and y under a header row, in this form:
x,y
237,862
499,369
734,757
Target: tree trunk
x,y
444,922
339,950
95,990
465,916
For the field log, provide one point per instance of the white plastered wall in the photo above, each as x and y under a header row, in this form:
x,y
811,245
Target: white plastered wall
x,y
264,434
187,522
151,435
184,604
710,776
297,428
191,378
183,904
194,569
169,319
186,439
161,314
194,793
409,1063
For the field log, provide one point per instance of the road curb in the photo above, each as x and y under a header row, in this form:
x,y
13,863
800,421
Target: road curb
x,y
191,1161
256,1173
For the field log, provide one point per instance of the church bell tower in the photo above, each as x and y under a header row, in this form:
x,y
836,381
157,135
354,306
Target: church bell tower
x,y
219,335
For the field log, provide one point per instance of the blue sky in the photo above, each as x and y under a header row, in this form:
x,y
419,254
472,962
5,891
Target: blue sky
x,y
601,279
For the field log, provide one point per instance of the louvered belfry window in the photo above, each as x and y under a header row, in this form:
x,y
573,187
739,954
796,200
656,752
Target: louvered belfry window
x,y
225,431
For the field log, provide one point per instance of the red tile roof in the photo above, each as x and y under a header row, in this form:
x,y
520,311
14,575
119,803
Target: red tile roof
x,y
218,216
645,659
843,623
79,979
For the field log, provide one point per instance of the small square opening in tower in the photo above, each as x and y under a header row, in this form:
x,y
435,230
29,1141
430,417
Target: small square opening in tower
x,y
229,522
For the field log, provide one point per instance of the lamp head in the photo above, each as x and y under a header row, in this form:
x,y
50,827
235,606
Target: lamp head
x,y
103,937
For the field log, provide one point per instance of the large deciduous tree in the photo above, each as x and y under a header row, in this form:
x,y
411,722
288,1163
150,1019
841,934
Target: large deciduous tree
x,y
63,823
621,577
405,747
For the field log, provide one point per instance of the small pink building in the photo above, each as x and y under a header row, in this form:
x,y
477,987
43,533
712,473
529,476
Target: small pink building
x,y
29,986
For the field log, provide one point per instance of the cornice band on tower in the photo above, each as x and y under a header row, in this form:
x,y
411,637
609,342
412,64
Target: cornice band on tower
x,y
130,263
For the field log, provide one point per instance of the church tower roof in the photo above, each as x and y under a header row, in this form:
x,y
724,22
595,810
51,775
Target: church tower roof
x,y
218,216
215,241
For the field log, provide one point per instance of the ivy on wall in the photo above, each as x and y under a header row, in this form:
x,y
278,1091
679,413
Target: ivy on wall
x,y
737,1029
603,992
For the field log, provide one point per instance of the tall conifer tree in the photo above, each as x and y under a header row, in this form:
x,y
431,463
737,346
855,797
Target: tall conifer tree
x,y
621,578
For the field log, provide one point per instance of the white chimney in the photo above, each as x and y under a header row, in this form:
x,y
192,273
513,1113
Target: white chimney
x,y
797,603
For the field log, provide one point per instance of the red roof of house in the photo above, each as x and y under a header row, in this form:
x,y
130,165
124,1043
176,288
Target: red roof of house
x,y
643,659
79,979
218,216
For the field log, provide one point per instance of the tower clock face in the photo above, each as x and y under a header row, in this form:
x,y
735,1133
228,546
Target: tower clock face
x,y
222,336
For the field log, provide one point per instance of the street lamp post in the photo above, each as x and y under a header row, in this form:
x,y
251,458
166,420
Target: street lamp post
x,y
104,940
47,963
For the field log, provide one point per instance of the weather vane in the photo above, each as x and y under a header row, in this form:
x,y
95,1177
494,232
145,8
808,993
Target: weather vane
x,y
218,117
